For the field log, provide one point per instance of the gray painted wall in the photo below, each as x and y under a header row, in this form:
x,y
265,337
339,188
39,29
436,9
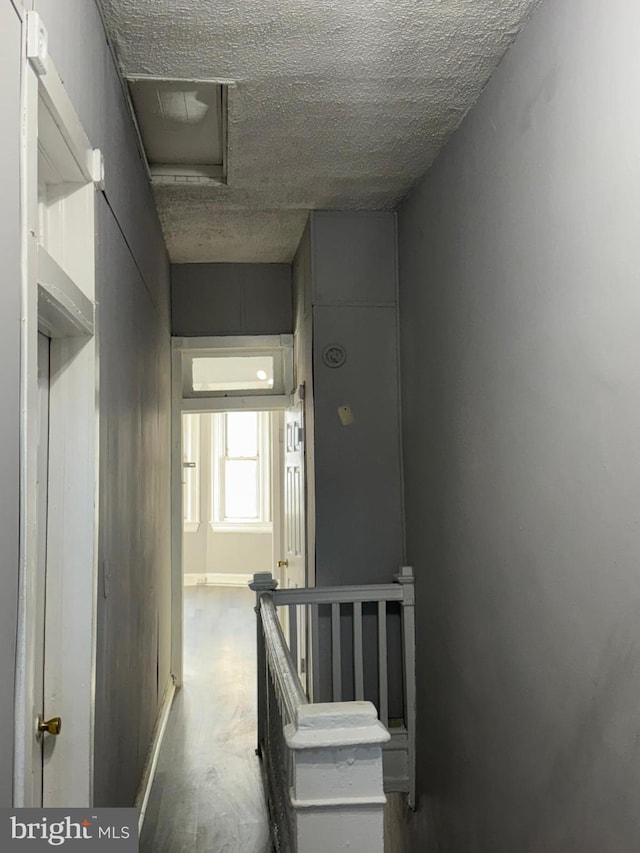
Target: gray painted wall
x,y
231,299
520,318
359,527
133,328
345,285
10,50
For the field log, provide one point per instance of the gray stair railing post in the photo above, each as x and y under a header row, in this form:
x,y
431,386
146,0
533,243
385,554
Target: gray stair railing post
x,y
263,582
406,578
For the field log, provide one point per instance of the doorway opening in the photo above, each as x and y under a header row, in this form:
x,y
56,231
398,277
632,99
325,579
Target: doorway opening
x,y
231,496
231,521
237,510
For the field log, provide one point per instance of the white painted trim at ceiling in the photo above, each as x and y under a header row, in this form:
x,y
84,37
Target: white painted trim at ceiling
x,y
217,579
151,764
166,173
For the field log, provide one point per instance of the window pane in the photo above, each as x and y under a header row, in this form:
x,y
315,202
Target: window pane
x,y
241,489
242,434
232,373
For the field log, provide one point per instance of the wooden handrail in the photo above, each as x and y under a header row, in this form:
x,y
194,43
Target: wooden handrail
x,y
280,661
339,594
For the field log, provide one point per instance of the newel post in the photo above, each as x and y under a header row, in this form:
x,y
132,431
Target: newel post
x,y
337,795
406,578
263,583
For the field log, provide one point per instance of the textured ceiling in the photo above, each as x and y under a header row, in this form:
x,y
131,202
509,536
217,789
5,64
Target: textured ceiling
x,y
335,104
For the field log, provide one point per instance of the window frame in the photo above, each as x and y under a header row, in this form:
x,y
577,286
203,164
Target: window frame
x,y
218,522
278,347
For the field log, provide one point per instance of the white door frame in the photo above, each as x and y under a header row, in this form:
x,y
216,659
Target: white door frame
x,y
58,298
277,491
180,404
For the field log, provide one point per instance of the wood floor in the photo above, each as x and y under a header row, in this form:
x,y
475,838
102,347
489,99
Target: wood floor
x,y
207,794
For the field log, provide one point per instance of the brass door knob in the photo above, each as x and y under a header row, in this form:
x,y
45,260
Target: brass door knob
x,y
283,564
52,726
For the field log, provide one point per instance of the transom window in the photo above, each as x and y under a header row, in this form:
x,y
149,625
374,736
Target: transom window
x,y
239,373
213,369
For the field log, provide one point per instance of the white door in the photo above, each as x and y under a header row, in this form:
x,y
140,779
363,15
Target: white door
x,y
293,564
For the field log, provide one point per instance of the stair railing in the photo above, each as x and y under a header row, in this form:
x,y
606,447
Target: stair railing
x,y
354,649
322,762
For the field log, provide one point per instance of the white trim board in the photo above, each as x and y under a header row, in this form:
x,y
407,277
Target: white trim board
x,y
217,579
177,616
255,403
88,160
151,764
63,309
58,293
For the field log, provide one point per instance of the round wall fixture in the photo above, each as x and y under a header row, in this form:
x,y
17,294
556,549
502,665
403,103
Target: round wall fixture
x,y
334,355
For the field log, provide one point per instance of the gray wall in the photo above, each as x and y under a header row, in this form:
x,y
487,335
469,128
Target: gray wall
x,y
133,328
231,299
520,319
359,528
345,282
10,50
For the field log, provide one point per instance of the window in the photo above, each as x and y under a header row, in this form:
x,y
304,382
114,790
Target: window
x,y
240,475
216,373
215,369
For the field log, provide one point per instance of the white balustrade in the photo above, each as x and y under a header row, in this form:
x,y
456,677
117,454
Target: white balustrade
x,y
323,761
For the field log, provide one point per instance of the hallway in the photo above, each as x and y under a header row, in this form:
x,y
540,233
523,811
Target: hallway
x,y
207,794
425,213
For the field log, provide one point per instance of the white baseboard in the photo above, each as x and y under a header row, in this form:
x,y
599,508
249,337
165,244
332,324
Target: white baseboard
x,y
149,771
217,579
